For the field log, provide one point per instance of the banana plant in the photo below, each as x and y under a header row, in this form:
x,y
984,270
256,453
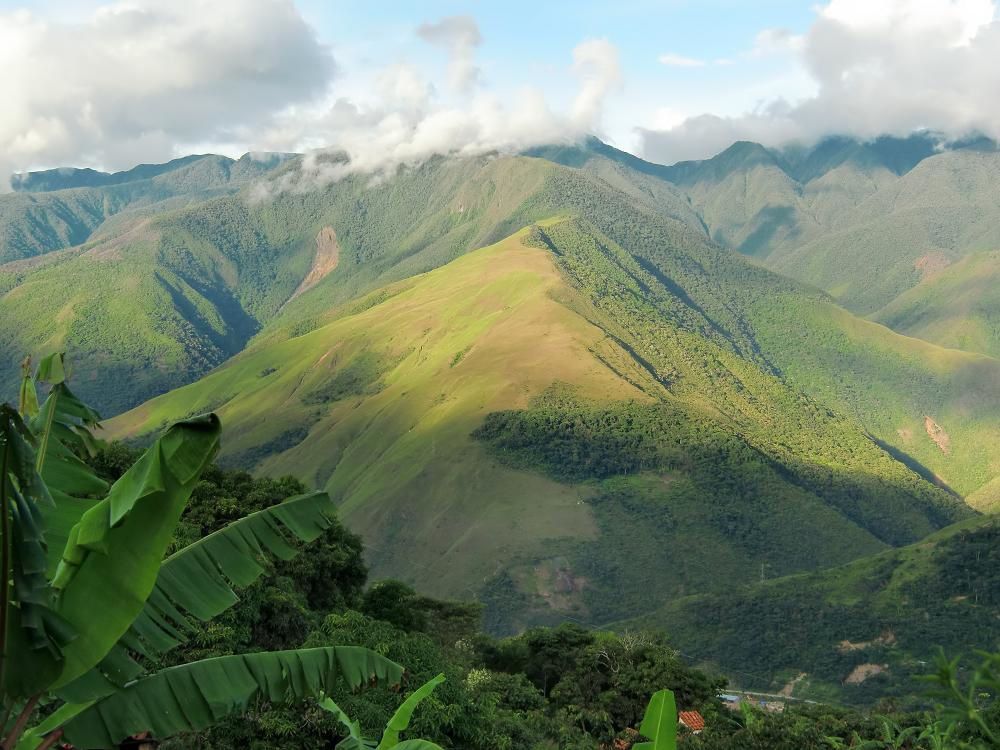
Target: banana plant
x,y
659,724
399,723
87,598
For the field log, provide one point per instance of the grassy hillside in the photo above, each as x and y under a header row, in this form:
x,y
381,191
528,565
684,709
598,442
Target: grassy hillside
x,y
60,208
200,280
160,299
864,221
531,423
856,633
940,211
958,307
134,323
935,408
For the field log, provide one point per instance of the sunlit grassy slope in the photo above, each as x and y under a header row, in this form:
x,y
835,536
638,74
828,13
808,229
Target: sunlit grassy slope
x,y
865,221
538,420
958,307
857,633
158,300
903,232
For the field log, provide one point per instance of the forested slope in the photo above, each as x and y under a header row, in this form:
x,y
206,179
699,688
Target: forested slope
x,y
856,633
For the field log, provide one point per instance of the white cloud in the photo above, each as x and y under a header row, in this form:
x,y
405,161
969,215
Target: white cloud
x,y
403,85
378,137
665,118
679,61
460,36
596,64
133,79
138,80
959,21
879,67
777,41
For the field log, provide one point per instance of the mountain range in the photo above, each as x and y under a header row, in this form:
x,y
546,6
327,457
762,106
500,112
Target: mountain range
x,y
571,383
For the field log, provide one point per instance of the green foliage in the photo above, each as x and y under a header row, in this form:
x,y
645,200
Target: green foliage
x,y
892,610
194,696
110,563
61,635
397,723
968,706
659,723
357,378
548,688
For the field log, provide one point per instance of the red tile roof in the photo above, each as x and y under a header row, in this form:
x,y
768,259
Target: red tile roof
x,y
692,720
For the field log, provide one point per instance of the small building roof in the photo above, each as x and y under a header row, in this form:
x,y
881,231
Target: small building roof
x,y
692,720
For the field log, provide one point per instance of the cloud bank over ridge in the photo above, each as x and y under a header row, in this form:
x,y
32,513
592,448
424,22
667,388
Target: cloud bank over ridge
x,y
407,123
137,80
133,79
880,67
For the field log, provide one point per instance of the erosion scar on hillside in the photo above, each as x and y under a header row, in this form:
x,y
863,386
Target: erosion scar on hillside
x,y
324,263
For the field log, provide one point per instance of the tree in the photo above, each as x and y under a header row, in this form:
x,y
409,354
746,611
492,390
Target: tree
x,y
87,598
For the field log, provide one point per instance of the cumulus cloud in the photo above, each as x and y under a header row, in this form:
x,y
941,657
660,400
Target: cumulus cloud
x,y
137,80
137,77
776,41
406,124
880,67
596,64
459,36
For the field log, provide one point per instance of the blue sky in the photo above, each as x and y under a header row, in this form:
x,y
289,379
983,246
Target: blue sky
x,y
108,83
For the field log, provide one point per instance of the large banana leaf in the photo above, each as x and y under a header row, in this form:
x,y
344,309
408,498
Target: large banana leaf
x,y
660,723
198,581
63,427
194,696
27,397
401,719
33,634
416,745
111,560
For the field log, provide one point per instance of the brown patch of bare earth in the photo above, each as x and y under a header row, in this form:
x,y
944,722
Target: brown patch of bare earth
x,y
936,433
931,264
558,586
324,263
864,671
887,638
905,434
790,685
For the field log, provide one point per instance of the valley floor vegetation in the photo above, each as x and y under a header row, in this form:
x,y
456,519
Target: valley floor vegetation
x,y
121,618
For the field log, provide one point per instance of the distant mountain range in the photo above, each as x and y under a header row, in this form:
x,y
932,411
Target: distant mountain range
x,y
550,380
